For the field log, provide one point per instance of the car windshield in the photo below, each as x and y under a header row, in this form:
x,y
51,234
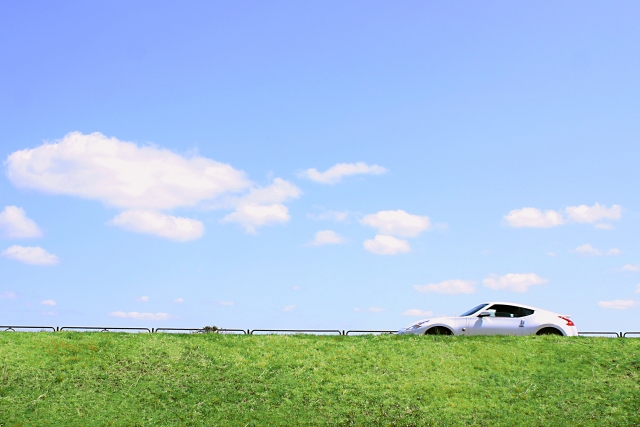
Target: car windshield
x,y
474,310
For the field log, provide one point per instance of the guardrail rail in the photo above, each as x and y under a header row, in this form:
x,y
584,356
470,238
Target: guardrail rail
x,y
103,329
365,332
39,328
617,335
298,331
17,328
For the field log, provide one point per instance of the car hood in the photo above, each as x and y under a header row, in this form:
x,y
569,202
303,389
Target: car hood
x,y
432,320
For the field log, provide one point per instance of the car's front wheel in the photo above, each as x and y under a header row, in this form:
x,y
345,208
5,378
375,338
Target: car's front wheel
x,y
549,331
438,330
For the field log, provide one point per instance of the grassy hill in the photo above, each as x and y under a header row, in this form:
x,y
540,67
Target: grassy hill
x,y
110,379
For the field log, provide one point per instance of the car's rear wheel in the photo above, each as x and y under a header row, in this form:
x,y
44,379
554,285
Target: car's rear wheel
x,y
549,331
438,330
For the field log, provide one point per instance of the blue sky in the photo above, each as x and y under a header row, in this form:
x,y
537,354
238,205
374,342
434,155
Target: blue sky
x,y
317,164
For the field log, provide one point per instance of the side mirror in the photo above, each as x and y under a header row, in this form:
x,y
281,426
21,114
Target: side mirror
x,y
485,313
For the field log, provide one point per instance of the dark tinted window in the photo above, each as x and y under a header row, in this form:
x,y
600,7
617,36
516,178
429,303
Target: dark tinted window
x,y
503,310
473,310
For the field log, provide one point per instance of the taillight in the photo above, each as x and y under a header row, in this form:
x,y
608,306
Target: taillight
x,y
569,321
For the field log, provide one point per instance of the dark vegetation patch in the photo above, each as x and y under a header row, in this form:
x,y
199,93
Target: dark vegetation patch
x,y
117,379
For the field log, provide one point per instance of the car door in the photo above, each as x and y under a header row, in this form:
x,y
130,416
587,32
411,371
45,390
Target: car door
x,y
493,326
504,320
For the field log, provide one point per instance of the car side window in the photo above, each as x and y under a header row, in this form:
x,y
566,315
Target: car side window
x,y
503,310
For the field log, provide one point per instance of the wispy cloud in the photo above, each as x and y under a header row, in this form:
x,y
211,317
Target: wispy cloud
x,y
595,213
14,224
264,206
513,282
326,237
49,302
631,267
536,218
397,223
334,174
158,224
386,245
289,308
589,250
533,218
33,255
618,304
8,295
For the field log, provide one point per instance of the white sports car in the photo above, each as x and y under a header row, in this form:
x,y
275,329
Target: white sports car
x,y
497,318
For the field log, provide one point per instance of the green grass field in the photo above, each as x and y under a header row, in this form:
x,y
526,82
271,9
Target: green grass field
x,y
110,379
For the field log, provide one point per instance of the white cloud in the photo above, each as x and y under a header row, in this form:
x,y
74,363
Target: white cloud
x,y
416,312
591,214
263,205
450,287
145,180
603,226
140,316
637,291
33,255
251,216
14,224
370,309
178,300
631,267
513,282
48,302
289,308
552,254
335,174
279,191
533,218
227,303
8,295
589,250
143,298
326,237
618,304
397,223
121,174
386,245
337,216
158,224
296,288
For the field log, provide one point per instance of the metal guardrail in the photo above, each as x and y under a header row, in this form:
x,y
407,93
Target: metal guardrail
x,y
101,328
364,332
250,331
40,328
198,330
618,335
298,331
177,330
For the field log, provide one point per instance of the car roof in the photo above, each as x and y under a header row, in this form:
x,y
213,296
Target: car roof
x,y
516,304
